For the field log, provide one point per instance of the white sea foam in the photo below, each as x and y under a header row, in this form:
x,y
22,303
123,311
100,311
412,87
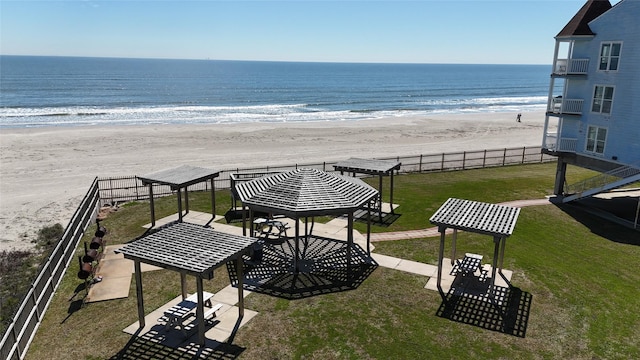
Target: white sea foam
x,y
190,114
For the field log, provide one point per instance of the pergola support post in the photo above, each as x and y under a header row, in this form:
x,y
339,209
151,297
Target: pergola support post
x,y
453,246
200,311
502,246
244,221
296,246
239,271
213,198
186,200
151,204
349,241
380,191
179,205
442,231
139,297
391,191
369,228
183,285
496,248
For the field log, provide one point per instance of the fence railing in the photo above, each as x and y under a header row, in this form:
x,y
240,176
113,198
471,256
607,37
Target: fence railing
x,y
130,188
21,330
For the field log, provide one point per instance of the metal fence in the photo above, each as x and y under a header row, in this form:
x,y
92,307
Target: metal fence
x,y
20,332
130,188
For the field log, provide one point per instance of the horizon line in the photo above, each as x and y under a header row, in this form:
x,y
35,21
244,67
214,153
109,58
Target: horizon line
x,y
274,61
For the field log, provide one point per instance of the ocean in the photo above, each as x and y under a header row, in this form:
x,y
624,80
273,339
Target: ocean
x,y
75,91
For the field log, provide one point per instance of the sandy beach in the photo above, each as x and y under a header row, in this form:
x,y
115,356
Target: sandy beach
x,y
45,172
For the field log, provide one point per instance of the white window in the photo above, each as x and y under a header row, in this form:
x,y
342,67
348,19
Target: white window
x,y
602,99
596,138
610,55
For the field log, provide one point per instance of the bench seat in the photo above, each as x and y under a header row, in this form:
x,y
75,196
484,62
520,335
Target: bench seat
x,y
212,312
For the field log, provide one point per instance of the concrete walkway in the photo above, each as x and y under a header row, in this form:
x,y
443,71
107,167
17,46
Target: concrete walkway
x,y
116,274
431,271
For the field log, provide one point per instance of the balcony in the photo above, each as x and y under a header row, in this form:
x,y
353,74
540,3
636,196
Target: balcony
x,y
552,144
571,67
560,106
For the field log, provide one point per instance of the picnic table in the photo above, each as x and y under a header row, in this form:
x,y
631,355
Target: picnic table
x,y
469,265
177,314
266,227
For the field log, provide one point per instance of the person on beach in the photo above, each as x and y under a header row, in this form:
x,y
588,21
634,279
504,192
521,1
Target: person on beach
x,y
518,117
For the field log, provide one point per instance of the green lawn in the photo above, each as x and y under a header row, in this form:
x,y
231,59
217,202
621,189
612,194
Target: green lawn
x,y
581,272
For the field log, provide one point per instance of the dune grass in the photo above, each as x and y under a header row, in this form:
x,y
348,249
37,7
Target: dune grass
x,y
581,272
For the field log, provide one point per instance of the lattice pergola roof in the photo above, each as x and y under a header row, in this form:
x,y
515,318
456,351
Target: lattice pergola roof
x,y
305,192
478,217
367,166
497,221
179,177
189,248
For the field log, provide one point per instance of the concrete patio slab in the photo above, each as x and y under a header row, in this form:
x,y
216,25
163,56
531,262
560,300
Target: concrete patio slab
x,y
228,295
194,217
109,288
388,208
219,329
115,268
448,277
110,254
116,273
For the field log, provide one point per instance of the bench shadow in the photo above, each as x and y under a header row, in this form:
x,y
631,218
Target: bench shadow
x,y
322,268
469,302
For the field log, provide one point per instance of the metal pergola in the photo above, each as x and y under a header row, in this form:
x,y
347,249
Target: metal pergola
x,y
188,249
494,220
304,193
177,179
372,167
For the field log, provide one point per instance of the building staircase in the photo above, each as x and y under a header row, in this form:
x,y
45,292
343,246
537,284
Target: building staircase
x,y
610,180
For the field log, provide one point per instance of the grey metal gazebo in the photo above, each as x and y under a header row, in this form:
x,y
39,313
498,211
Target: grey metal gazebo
x,y
372,167
304,193
177,179
188,249
494,220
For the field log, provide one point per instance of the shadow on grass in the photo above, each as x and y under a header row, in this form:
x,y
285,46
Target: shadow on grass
x,y
596,215
468,302
156,345
322,268
387,218
76,305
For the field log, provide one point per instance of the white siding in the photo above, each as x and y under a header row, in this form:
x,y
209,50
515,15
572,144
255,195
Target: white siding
x,y
620,24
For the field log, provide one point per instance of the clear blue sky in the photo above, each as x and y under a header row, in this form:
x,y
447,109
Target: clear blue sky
x,y
444,31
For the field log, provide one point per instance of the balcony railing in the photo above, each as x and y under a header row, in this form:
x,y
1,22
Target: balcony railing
x,y
552,143
559,105
571,67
